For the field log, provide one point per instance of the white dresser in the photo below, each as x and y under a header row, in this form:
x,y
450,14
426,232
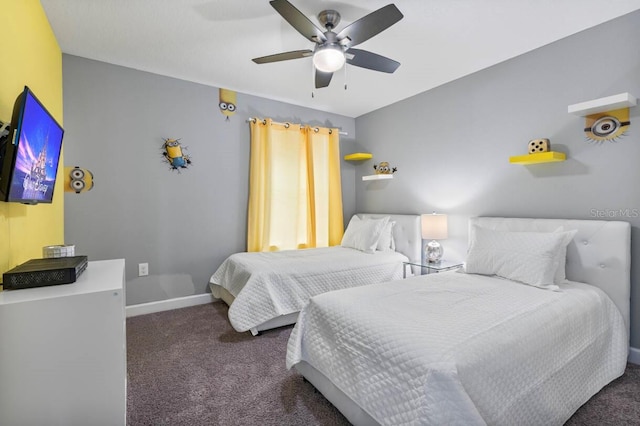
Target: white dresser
x,y
63,351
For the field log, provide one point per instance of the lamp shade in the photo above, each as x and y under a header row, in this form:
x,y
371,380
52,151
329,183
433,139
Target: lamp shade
x,y
329,58
434,226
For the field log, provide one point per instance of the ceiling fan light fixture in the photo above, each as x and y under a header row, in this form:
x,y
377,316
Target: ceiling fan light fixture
x,y
329,59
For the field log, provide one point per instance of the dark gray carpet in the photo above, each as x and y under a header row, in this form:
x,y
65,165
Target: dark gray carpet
x,y
189,367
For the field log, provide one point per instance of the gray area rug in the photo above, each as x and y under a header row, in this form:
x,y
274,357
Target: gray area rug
x,y
189,367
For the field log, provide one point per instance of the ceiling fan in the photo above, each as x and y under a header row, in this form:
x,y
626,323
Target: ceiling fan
x,y
333,50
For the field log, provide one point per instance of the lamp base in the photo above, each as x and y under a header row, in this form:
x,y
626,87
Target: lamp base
x,y
433,252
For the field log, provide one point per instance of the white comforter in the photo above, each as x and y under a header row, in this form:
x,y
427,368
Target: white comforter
x,y
462,349
267,285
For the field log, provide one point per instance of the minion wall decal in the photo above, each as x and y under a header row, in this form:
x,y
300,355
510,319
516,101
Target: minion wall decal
x,y
607,126
175,154
77,179
227,102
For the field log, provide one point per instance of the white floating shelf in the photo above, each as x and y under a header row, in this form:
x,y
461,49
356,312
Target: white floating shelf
x,y
377,177
610,103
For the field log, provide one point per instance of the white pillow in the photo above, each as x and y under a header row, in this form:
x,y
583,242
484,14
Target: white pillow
x,y
386,242
363,235
561,261
561,273
527,257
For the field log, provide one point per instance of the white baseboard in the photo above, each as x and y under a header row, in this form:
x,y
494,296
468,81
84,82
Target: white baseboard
x,y
167,305
634,355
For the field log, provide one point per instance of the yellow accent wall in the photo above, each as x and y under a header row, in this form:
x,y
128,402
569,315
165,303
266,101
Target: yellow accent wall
x,y
32,57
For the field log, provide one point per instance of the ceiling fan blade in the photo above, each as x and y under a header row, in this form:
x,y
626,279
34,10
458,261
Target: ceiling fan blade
x,y
372,61
298,20
323,79
365,28
285,56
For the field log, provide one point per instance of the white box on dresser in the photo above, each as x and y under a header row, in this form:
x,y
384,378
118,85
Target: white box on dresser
x,y
63,351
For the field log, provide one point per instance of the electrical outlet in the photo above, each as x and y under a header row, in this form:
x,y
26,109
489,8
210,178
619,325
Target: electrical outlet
x,y
143,269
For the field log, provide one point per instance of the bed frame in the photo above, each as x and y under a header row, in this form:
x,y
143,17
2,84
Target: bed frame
x,y
408,239
600,255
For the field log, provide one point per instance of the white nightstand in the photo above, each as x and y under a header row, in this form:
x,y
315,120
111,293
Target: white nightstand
x,y
431,268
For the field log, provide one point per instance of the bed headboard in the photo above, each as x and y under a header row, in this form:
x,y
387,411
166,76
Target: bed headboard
x,y
600,253
407,232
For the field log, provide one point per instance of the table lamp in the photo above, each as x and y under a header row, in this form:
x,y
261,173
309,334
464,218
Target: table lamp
x,y
434,227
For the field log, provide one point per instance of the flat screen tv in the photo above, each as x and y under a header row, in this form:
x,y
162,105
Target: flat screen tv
x,y
29,155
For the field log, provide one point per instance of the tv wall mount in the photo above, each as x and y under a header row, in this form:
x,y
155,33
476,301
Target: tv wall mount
x,y
4,131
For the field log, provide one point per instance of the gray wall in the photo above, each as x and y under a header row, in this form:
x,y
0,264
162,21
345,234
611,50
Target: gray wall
x,y
452,144
183,224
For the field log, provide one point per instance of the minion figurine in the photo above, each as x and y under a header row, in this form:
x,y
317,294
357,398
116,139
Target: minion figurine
x,y
77,179
384,169
174,155
227,102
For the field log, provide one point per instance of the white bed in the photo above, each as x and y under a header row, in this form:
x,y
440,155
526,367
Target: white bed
x,y
267,290
457,348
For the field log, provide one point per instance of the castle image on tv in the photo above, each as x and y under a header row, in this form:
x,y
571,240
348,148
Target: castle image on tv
x,y
33,180
35,174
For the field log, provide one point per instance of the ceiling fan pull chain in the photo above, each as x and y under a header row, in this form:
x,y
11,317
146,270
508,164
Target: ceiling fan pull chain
x,y
313,77
345,76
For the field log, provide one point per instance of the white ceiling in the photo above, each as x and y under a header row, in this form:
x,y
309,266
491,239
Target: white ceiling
x,y
213,41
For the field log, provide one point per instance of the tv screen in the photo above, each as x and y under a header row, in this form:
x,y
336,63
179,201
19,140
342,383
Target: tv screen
x,y
31,153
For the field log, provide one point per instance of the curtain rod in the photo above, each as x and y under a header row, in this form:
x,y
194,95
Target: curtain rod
x,y
253,119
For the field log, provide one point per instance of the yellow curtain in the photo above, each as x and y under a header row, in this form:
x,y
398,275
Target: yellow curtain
x,y
295,195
